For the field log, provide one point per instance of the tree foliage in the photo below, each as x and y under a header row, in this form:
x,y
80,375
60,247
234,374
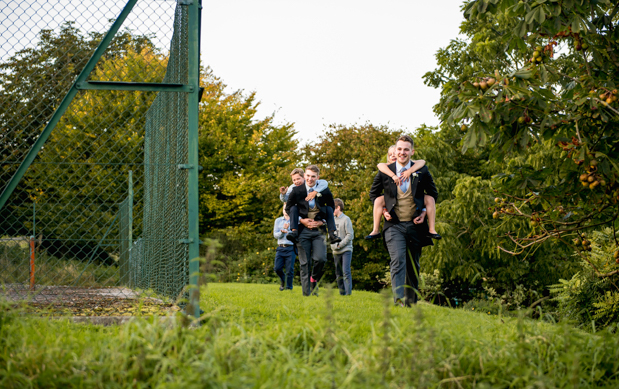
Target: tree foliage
x,y
534,86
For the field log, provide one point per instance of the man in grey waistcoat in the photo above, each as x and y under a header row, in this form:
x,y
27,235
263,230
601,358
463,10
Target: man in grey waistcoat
x,y
405,230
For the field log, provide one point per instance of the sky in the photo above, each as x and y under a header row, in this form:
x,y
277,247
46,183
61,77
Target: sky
x,y
315,63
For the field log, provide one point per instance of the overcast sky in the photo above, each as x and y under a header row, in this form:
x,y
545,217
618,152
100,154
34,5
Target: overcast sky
x,y
319,62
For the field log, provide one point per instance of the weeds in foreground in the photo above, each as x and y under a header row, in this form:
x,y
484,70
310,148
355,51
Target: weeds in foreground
x,y
257,336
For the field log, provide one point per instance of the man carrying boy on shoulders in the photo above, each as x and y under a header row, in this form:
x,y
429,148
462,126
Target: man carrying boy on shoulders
x,y
313,214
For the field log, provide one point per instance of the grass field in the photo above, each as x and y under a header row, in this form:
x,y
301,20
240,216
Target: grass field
x,y
254,336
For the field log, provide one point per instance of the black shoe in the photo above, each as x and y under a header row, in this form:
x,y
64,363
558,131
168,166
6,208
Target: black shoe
x,y
313,290
293,236
370,237
282,286
334,238
434,236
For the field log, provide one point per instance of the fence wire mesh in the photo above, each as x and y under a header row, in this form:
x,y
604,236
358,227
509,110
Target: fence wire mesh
x,y
100,216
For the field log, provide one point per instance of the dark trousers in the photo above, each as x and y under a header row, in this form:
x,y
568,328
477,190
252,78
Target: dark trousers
x,y
343,273
404,249
294,219
284,259
315,253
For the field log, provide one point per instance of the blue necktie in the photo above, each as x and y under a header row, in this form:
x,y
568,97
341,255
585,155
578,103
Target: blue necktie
x,y
403,185
312,202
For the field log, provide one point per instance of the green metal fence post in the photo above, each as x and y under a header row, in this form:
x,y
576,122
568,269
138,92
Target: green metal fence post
x,y
192,195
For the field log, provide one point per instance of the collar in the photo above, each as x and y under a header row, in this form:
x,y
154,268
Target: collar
x,y
399,167
307,187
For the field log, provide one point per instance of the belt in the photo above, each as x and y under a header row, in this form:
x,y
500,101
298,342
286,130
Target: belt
x,y
284,245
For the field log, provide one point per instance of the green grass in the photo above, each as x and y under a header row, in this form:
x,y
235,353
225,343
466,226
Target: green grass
x,y
257,337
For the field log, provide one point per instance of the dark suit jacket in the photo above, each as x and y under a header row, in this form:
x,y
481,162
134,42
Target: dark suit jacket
x,y
421,185
297,197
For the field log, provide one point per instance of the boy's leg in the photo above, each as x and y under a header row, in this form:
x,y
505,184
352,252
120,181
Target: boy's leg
x,y
290,257
294,218
331,226
293,235
377,214
346,259
279,264
337,259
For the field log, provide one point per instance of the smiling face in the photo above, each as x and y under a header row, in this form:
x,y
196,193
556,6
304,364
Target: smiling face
x,y
391,155
311,177
297,179
404,151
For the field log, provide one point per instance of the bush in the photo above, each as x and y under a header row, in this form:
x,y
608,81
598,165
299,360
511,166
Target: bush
x,y
588,299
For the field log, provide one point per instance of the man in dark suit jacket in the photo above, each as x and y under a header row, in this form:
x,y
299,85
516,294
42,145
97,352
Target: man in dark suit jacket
x,y
405,229
313,215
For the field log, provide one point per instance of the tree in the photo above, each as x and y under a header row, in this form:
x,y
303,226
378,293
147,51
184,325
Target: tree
x,y
34,81
245,159
534,87
550,101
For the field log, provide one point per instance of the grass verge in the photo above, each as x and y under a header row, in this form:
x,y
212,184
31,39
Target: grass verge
x,y
255,336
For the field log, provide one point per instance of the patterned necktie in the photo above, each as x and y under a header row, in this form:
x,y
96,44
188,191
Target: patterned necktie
x,y
403,185
312,202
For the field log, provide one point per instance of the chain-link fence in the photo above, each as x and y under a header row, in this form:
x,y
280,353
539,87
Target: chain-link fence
x,y
98,150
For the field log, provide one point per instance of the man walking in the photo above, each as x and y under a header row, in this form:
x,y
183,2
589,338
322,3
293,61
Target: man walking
x,y
405,230
342,251
313,214
285,253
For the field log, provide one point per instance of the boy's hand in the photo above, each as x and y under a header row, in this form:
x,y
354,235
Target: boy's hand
x,y
406,175
310,196
286,225
283,190
285,230
396,179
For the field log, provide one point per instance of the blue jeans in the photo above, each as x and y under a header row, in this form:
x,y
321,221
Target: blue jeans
x,y
284,258
342,271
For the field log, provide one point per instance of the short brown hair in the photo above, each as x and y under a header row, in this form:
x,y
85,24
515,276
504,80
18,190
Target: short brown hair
x,y
313,168
406,138
339,203
298,171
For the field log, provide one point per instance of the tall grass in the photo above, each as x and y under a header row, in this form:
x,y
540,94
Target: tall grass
x,y
255,336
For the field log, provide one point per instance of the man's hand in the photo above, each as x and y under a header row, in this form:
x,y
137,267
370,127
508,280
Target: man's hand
x,y
283,190
316,223
386,214
419,219
311,195
306,222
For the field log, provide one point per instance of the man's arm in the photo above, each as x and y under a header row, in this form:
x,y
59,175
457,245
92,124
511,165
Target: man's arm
x,y
377,188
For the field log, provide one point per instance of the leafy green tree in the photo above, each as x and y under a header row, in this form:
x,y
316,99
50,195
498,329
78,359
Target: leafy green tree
x,y
245,159
534,88
34,81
